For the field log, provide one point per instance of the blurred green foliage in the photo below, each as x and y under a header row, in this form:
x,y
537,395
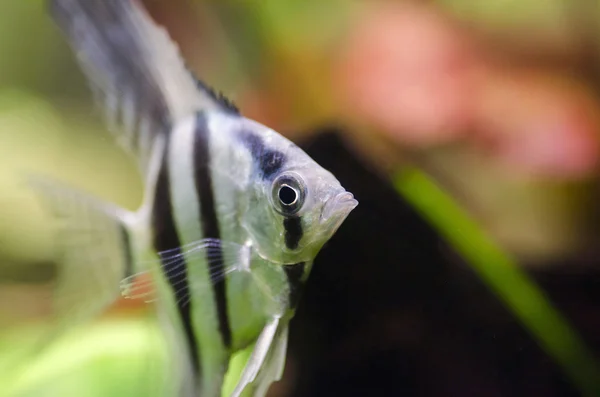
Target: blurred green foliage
x,y
119,357
504,276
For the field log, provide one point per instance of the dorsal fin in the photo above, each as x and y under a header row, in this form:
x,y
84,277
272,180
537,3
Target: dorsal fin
x,y
135,70
217,96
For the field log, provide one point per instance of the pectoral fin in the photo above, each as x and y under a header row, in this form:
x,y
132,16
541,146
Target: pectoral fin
x,y
141,285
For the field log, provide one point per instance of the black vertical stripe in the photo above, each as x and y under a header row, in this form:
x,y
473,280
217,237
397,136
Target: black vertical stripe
x,y
294,275
269,161
293,232
118,55
209,221
126,241
166,238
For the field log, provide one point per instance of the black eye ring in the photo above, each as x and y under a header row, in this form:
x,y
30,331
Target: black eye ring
x,y
289,191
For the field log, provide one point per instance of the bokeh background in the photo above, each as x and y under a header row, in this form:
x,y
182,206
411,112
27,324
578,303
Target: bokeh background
x,y
469,132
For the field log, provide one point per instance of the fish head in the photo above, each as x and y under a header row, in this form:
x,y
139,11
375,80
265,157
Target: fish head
x,y
294,211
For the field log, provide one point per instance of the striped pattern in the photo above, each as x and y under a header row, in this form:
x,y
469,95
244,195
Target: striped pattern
x,y
134,69
157,110
166,238
146,90
268,163
108,41
209,221
184,212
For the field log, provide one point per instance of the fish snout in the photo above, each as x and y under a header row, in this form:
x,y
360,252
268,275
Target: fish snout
x,y
338,206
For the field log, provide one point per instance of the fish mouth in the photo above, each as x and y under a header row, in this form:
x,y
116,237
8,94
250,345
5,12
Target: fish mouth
x,y
338,207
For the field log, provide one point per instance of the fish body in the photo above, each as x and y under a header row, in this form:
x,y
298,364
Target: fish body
x,y
232,217
207,201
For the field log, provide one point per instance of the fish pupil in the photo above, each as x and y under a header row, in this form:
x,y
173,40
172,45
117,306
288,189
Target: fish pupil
x,y
288,195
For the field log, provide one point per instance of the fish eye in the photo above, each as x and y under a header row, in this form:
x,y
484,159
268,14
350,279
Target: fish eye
x,y
288,193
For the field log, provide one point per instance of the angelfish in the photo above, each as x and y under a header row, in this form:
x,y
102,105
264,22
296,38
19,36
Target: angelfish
x,y
232,217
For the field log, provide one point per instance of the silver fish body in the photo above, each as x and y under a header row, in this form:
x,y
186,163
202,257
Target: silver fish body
x,y
223,178
233,213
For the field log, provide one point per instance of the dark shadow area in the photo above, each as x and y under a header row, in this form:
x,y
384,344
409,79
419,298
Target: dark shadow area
x,y
390,310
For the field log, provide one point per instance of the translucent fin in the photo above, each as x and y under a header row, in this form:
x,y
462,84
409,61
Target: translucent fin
x,y
94,247
139,286
234,257
93,255
134,69
257,357
272,370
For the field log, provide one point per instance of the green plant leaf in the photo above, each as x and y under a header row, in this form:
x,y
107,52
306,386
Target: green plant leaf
x,y
504,277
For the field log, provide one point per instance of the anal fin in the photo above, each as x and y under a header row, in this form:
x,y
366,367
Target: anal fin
x,y
272,370
262,349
